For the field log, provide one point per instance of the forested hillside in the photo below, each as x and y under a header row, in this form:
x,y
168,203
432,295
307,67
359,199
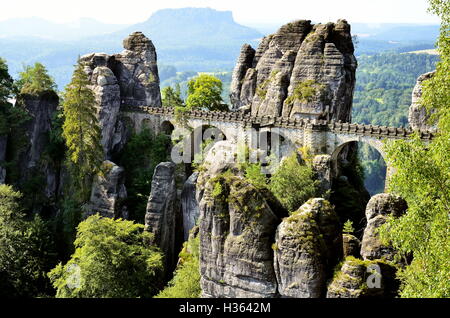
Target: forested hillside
x,y
384,84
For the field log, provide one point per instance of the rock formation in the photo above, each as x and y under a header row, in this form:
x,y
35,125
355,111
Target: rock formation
x,y
163,214
137,72
359,279
128,78
236,232
189,205
351,245
108,193
418,116
307,245
303,70
378,209
33,138
237,229
107,94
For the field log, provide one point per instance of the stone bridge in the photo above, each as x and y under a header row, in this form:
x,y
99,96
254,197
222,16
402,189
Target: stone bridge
x,y
319,136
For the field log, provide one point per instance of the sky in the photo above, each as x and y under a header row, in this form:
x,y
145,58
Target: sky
x,y
244,11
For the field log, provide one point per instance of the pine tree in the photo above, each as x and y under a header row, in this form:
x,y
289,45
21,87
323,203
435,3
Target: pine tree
x,y
348,227
82,133
172,97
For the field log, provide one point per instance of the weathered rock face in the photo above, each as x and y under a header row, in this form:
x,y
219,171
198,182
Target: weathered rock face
x,y
236,233
35,134
351,245
322,168
360,279
108,193
418,116
162,216
137,72
129,78
303,70
378,209
244,62
189,205
107,95
307,245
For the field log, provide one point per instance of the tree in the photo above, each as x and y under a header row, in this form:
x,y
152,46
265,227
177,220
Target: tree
x,y
204,92
348,227
7,90
35,79
26,249
293,183
423,178
142,153
172,97
82,133
186,281
113,258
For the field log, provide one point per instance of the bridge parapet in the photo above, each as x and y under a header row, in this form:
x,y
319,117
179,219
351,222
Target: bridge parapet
x,y
380,132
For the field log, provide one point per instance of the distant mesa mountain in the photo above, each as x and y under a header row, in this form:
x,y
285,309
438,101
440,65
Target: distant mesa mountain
x,y
192,27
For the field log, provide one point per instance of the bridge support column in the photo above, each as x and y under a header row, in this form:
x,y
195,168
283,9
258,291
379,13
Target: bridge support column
x,y
315,138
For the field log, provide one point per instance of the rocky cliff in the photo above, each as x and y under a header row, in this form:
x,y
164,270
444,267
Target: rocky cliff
x,y
108,193
236,233
163,214
303,70
128,78
28,146
379,208
307,245
418,117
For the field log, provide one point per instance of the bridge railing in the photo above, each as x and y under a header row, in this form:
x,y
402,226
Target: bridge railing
x,y
295,123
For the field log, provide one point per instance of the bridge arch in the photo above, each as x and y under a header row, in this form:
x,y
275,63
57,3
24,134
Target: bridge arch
x,y
203,137
373,142
167,127
371,151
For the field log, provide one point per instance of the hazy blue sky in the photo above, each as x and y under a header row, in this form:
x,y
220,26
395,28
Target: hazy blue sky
x,y
245,11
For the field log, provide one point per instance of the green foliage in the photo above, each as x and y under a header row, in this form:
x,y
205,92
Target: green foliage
x,y
384,83
348,227
82,133
66,223
186,282
172,97
349,195
113,258
293,183
253,173
35,80
204,92
374,168
26,249
143,152
56,147
7,90
305,92
261,90
422,178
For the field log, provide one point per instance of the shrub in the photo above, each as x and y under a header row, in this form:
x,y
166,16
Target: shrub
x,y
186,282
293,183
113,258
